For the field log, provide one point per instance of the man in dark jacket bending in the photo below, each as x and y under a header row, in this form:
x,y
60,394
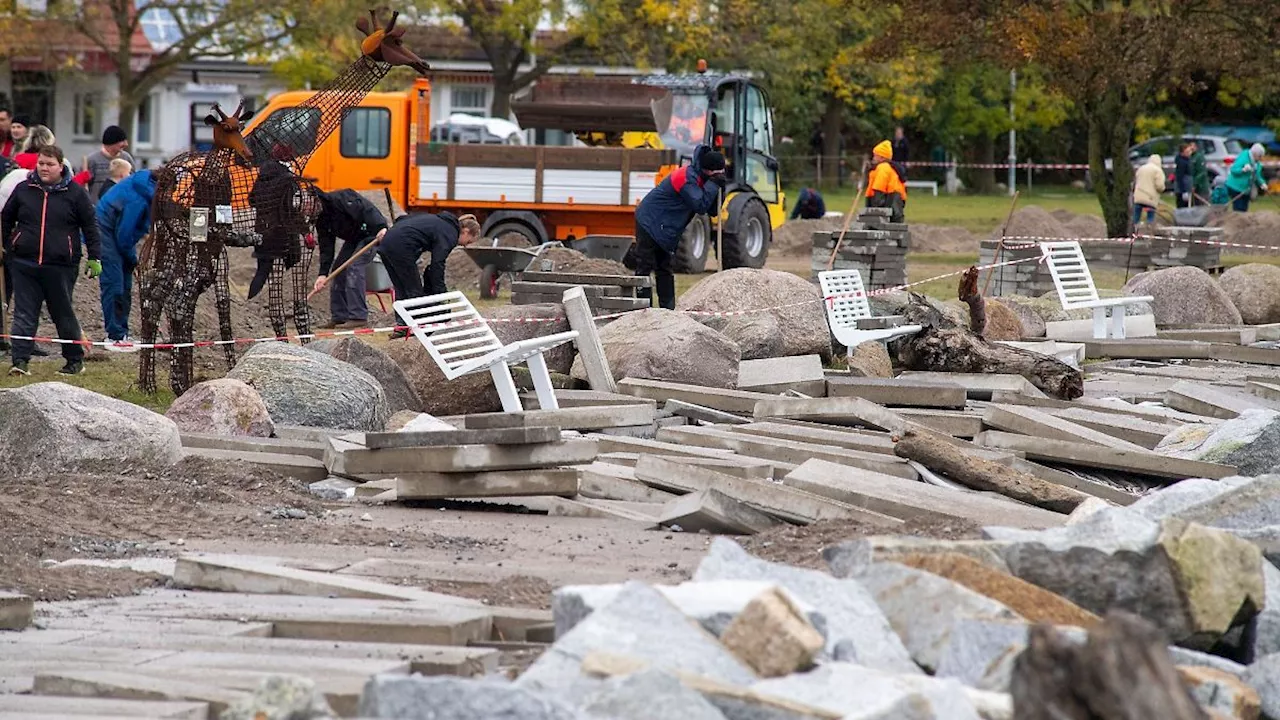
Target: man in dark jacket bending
x,y
415,234
348,215
663,214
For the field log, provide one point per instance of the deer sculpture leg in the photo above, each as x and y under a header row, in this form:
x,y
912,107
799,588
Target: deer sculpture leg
x,y
181,310
301,309
275,298
222,294
157,278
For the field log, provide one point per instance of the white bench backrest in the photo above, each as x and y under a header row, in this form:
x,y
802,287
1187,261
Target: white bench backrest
x,y
845,297
1070,273
460,333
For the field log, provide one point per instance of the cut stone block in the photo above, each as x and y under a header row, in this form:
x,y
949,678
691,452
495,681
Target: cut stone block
x,y
505,436
978,386
733,401
594,417
847,438
855,627
1030,421
561,482
802,373
772,636
899,391
16,611
714,512
349,457
1072,453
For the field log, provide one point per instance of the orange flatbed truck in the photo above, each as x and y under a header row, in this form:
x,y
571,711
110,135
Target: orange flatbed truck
x,y
551,192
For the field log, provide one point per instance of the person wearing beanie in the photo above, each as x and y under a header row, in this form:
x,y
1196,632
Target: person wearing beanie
x,y
98,165
664,213
885,186
1244,179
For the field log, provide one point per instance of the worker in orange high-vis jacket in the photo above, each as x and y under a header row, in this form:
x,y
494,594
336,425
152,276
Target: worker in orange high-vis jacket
x,y
885,188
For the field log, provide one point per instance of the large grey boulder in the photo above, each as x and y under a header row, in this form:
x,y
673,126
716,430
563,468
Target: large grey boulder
x,y
788,317
400,394
472,393
525,322
857,630
1266,626
51,427
1171,500
642,624
415,697
1184,296
647,695
1193,582
1254,288
222,407
860,692
305,387
658,344
1239,440
924,608
1264,676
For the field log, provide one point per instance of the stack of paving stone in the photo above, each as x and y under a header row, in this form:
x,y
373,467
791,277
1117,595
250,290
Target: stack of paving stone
x,y
1132,255
873,246
1027,278
605,293
1177,246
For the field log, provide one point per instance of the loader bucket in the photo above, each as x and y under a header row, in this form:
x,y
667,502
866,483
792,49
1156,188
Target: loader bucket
x,y
584,105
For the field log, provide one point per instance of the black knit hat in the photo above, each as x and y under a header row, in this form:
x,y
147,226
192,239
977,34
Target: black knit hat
x,y
113,134
712,161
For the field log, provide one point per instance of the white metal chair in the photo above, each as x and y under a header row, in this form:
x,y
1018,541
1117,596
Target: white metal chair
x,y
461,342
845,298
1074,282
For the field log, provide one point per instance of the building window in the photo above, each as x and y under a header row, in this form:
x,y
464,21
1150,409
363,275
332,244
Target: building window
x,y
33,97
86,116
142,133
35,6
471,99
366,133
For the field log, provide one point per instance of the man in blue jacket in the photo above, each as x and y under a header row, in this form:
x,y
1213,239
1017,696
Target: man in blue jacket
x,y
124,217
663,214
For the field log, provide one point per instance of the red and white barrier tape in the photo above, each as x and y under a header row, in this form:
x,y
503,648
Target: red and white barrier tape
x,y
1024,242
1025,165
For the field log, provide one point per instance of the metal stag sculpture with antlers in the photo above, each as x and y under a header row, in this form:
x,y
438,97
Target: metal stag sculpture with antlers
x,y
269,207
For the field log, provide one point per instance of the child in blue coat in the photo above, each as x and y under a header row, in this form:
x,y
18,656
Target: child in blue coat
x,y
124,217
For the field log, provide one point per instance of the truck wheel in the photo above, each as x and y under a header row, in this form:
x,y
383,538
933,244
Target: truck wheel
x,y
509,227
489,282
691,255
749,245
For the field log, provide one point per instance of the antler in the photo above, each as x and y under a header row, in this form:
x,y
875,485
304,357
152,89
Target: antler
x,y
391,25
239,109
218,109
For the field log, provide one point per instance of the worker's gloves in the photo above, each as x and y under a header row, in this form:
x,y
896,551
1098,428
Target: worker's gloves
x,y
93,268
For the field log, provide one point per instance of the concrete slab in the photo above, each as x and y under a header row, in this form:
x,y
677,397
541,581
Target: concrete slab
x,y
51,706
424,659
802,373
374,488
788,451
504,436
905,499
1234,336
1180,350
1070,453
602,481
276,446
881,443
1135,326
353,459
714,512
784,503
978,386
703,414
561,481
305,469
135,686
732,401
160,626
580,315
306,665
899,392
308,434
16,611
1071,353
1146,412
592,417
1030,421
1143,433
948,422
1213,402
647,432
340,690
584,398
646,514
1266,390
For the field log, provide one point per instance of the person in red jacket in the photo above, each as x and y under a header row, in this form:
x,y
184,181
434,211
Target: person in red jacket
x,y
41,226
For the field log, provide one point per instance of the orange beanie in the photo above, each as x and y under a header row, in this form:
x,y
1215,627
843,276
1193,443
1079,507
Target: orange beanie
x,y
884,150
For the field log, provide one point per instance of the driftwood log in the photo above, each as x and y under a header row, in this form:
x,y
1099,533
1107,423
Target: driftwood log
x,y
1123,672
980,474
942,346
969,295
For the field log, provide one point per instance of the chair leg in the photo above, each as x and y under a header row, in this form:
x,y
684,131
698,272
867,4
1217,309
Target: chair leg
x,y
542,383
1099,323
506,387
1117,322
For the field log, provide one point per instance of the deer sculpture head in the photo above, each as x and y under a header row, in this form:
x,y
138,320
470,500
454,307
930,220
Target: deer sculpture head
x,y
227,129
385,44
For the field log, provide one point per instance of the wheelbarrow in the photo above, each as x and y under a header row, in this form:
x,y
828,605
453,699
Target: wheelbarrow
x,y
605,247
497,261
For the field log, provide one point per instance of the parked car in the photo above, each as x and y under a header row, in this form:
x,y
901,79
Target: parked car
x,y
461,128
1219,152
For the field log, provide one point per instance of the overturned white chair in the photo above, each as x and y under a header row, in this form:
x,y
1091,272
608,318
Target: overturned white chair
x,y
845,298
461,342
1076,291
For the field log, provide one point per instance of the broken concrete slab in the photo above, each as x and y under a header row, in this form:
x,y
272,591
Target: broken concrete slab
x,y
304,469
802,373
704,414
732,401
1180,350
561,482
1143,433
50,706
899,391
581,319
349,457
16,611
856,628
787,451
1234,336
847,438
504,436
1212,402
603,481
783,502
978,386
773,636
948,422
333,488
591,417
1072,453
714,512
1030,421
276,446
135,686
1265,390
905,499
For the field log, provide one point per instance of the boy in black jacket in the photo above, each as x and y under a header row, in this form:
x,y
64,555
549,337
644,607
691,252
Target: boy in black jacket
x,y
41,226
348,215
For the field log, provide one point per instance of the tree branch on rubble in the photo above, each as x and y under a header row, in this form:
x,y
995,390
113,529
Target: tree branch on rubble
x,y
969,295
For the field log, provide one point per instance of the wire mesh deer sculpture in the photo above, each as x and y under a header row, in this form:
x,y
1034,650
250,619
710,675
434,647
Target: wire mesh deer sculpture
x,y
269,207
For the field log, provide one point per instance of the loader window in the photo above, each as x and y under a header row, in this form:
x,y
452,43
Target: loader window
x,y
366,133
688,126
757,130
